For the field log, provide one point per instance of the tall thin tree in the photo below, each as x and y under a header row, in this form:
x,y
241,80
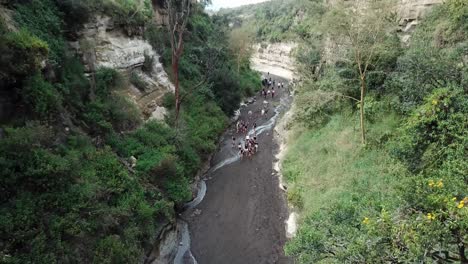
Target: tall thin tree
x,y
362,27
178,13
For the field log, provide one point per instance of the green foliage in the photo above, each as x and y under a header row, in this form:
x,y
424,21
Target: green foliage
x,y
82,190
22,54
148,63
436,132
432,61
68,189
401,198
136,80
107,79
277,21
207,58
158,37
130,15
40,96
109,111
43,19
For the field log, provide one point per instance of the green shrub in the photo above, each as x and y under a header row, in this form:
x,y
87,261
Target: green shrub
x,y
132,15
43,19
139,83
107,79
40,96
148,64
22,54
435,130
112,249
158,37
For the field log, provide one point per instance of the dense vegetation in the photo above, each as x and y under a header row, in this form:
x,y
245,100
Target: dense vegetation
x,y
68,192
401,197
275,21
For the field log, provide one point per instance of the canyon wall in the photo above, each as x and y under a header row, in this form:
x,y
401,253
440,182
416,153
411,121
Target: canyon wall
x,y
276,58
410,14
101,44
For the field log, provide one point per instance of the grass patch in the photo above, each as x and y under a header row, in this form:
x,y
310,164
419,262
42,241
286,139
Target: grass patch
x,y
333,177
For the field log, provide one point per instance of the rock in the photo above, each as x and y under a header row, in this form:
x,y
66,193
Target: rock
x,y
103,44
158,114
133,161
274,58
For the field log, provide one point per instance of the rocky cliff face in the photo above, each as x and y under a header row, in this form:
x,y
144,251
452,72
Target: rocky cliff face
x,y
102,45
411,12
275,58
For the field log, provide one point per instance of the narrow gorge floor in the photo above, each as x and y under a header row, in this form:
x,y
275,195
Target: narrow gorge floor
x,y
242,217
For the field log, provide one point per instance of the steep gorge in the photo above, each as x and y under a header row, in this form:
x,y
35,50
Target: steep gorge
x,y
87,135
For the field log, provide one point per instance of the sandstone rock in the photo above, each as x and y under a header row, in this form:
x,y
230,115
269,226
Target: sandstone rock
x,y
158,114
133,161
102,44
274,58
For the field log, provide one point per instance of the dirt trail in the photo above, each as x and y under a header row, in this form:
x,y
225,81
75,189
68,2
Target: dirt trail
x,y
243,214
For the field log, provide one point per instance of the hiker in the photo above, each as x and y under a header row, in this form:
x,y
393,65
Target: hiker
x,y
233,142
273,93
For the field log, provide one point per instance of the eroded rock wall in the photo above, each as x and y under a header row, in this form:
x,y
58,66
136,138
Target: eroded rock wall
x,y
101,44
411,12
276,58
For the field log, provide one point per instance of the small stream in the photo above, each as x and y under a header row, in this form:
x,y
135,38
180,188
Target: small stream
x,y
183,252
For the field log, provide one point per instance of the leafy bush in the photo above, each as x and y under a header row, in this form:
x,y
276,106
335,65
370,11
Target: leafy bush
x,y
107,79
158,38
435,130
40,96
401,198
132,15
22,54
136,80
43,19
68,190
148,63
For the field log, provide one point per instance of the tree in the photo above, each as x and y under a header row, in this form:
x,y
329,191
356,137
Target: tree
x,y
240,42
363,28
179,12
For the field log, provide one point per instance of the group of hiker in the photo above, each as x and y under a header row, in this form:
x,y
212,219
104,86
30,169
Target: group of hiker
x,y
269,87
249,146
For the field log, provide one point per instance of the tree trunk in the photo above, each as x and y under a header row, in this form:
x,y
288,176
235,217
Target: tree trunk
x,y
363,94
175,70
